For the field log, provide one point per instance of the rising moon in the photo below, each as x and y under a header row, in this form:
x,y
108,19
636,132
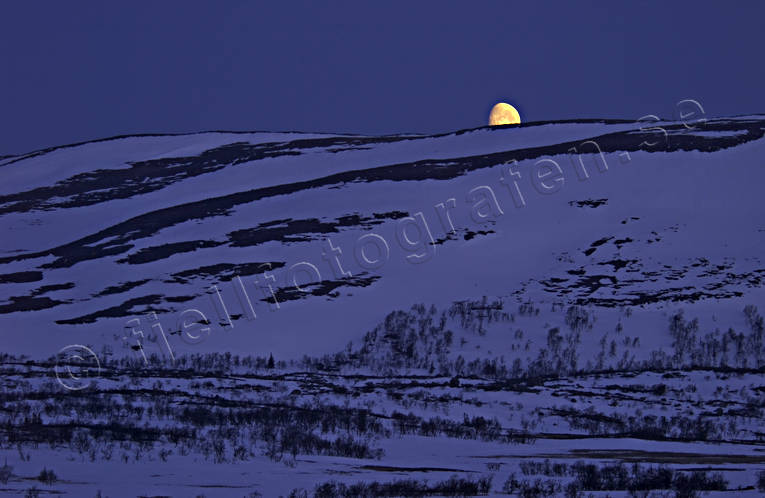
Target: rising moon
x,y
502,114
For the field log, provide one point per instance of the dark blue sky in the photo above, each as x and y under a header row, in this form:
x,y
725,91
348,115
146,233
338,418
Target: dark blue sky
x,y
73,71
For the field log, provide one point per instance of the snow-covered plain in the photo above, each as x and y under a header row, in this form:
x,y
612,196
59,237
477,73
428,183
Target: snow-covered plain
x,y
587,289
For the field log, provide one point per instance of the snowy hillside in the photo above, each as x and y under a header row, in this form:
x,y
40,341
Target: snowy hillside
x,y
389,307
102,233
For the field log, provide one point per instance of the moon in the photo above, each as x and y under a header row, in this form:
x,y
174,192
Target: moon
x,y
502,114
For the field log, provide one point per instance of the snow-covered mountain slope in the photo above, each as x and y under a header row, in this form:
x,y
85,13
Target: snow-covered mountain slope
x,y
525,310
298,243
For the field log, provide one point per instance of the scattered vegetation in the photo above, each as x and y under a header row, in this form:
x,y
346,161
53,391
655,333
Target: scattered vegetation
x,y
47,477
32,492
453,486
409,376
610,477
6,472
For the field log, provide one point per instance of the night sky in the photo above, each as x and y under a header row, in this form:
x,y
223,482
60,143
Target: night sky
x,y
76,71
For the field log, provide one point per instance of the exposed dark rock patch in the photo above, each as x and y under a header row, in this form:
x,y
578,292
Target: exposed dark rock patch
x,y
120,288
125,309
155,253
29,303
674,295
224,272
594,246
620,242
471,234
21,277
289,230
323,288
33,301
590,203
179,299
51,288
618,264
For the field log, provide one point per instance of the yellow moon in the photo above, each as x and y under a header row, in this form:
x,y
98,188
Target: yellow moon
x,y
502,114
